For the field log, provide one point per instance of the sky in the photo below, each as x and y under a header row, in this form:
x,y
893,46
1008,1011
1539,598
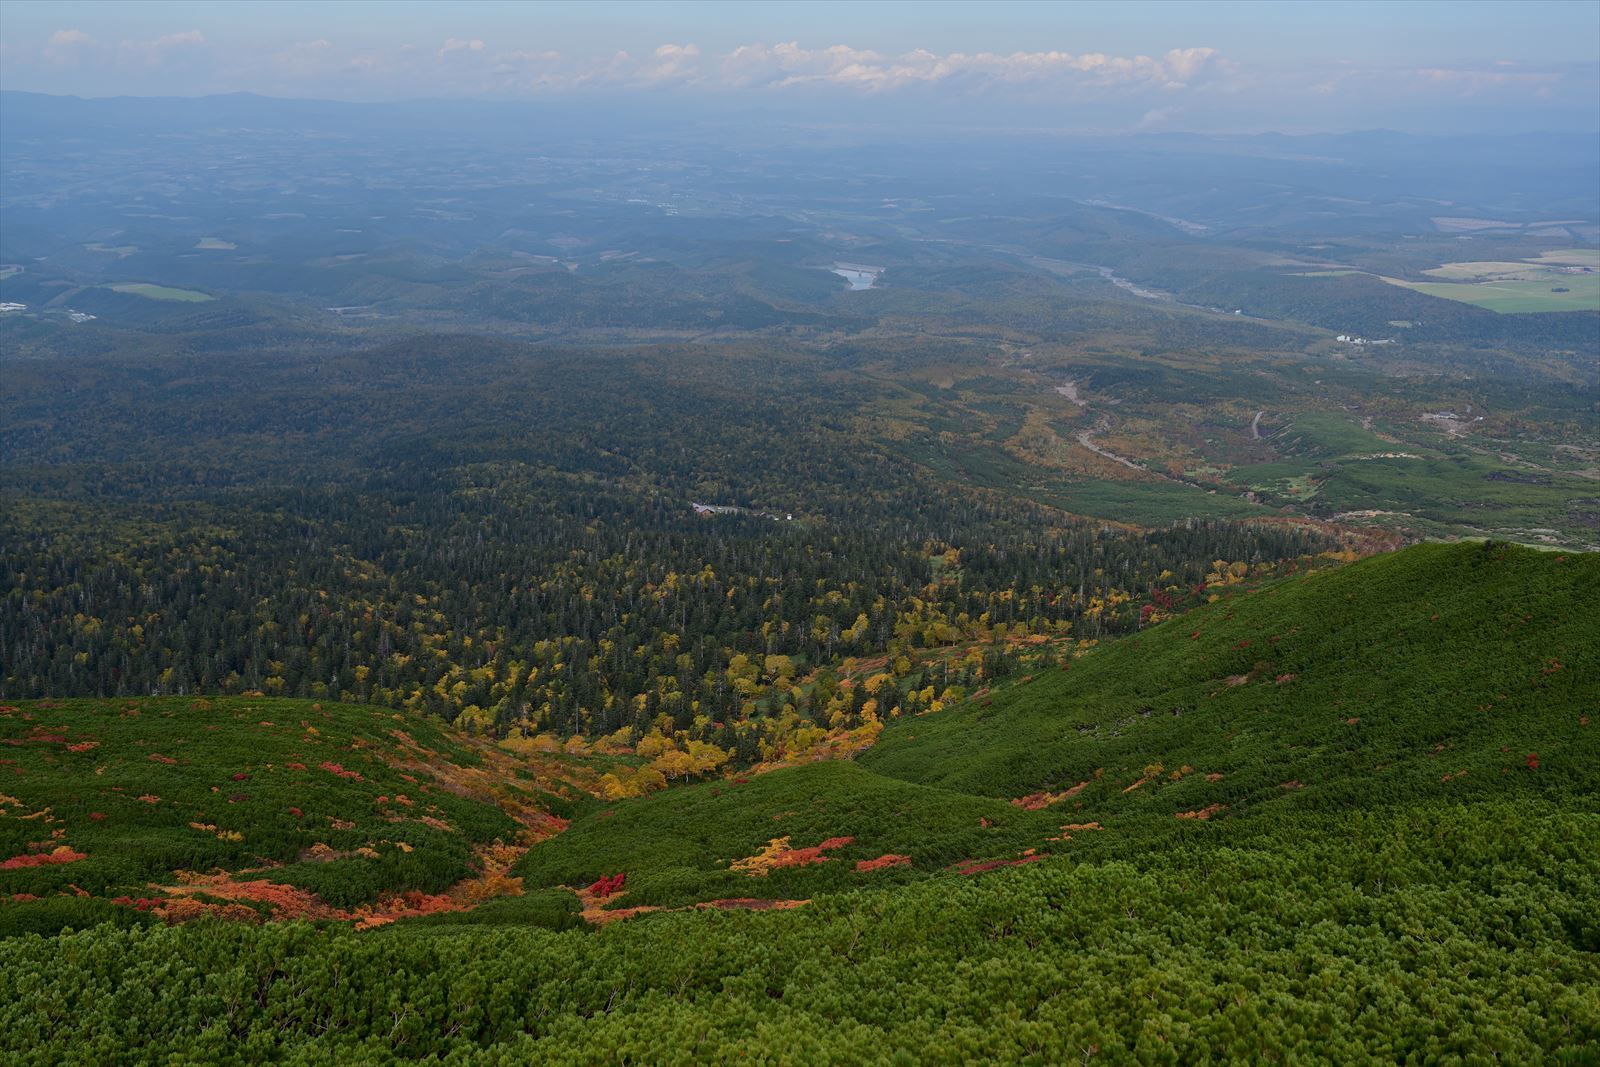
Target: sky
x,y
1207,67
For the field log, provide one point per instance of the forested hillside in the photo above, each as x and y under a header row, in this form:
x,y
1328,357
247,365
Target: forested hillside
x,y
504,537
1237,834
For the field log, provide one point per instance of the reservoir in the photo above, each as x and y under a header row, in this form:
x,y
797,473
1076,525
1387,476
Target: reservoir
x,y
858,276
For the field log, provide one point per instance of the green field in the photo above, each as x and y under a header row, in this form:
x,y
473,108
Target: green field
x,y
160,292
1434,491
1576,257
1514,297
1138,500
1512,287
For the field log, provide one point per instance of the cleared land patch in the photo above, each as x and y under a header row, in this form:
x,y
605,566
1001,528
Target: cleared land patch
x,y
160,292
1565,280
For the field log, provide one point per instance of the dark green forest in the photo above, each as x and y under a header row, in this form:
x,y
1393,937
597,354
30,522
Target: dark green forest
x,y
460,527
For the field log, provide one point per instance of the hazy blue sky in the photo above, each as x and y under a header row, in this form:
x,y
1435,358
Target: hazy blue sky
x,y
1103,66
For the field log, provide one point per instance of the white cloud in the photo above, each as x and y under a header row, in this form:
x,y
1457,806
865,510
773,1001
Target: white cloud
x,y
66,47
1463,82
186,39
68,39
156,52
364,63
461,65
304,58
669,63
1469,82
1158,118
788,65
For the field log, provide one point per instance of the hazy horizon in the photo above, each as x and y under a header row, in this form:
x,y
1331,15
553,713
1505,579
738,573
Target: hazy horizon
x,y
1212,68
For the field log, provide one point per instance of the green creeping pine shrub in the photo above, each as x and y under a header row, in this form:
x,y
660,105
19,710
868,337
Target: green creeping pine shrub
x,y
552,909
1441,674
143,789
1397,863
1365,685
676,846
1476,945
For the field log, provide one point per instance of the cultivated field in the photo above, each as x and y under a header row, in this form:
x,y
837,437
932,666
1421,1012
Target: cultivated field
x,y
1545,283
160,292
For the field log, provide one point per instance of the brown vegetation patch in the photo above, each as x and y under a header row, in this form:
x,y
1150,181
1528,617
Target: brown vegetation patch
x,y
600,916
244,899
1203,814
1068,829
979,866
752,904
888,859
1037,801
592,903
777,854
596,915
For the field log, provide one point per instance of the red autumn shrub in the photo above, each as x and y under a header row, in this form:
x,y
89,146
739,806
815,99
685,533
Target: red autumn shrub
x,y
606,886
60,854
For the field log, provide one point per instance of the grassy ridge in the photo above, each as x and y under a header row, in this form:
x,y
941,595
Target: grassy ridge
x,y
1367,684
678,846
1440,675
109,798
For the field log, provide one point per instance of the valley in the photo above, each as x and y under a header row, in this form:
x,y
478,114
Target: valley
x,y
495,583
